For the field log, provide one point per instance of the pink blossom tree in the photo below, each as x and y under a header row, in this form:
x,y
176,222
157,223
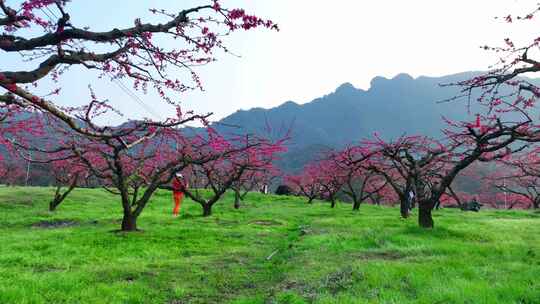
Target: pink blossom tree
x,y
358,183
385,196
330,180
132,53
67,174
429,166
518,179
254,179
407,165
12,171
138,157
244,156
306,183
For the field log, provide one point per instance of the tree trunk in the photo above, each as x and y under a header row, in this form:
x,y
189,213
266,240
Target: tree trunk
x,y
356,206
59,198
332,203
236,200
129,222
207,210
310,200
425,220
404,208
55,202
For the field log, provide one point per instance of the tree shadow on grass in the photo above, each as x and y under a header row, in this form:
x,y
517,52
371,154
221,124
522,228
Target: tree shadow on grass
x,y
51,224
443,233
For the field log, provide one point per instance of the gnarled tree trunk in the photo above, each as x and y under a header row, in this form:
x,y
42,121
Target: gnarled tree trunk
x,y
425,218
129,222
332,202
53,204
404,206
59,198
207,210
237,199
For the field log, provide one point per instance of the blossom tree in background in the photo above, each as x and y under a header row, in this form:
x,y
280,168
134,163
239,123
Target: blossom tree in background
x,y
64,167
338,171
385,196
519,180
330,180
12,171
430,166
67,174
255,179
16,127
405,164
243,157
306,183
358,183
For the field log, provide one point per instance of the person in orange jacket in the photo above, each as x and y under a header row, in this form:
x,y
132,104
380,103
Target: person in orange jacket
x,y
179,185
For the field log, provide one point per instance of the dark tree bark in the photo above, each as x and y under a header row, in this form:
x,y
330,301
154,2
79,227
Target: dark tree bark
x,y
207,210
425,219
129,222
404,207
332,202
237,198
60,197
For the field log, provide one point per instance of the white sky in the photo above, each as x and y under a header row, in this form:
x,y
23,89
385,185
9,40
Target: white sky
x,y
325,43
321,45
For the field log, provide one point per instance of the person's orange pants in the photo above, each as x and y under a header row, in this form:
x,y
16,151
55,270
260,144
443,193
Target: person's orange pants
x,y
178,197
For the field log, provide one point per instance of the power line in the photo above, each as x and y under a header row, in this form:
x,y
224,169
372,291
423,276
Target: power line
x,y
135,97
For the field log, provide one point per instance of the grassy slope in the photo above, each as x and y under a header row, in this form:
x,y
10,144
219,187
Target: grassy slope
x,y
324,255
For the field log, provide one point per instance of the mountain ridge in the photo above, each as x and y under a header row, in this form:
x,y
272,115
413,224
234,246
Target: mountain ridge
x,y
391,107
375,82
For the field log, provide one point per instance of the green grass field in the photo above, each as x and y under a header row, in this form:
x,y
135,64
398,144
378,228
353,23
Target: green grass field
x,y
273,250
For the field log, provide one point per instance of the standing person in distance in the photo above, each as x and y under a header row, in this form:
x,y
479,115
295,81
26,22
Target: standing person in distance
x,y
179,186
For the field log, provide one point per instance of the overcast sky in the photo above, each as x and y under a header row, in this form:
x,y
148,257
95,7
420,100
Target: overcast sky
x,y
321,45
